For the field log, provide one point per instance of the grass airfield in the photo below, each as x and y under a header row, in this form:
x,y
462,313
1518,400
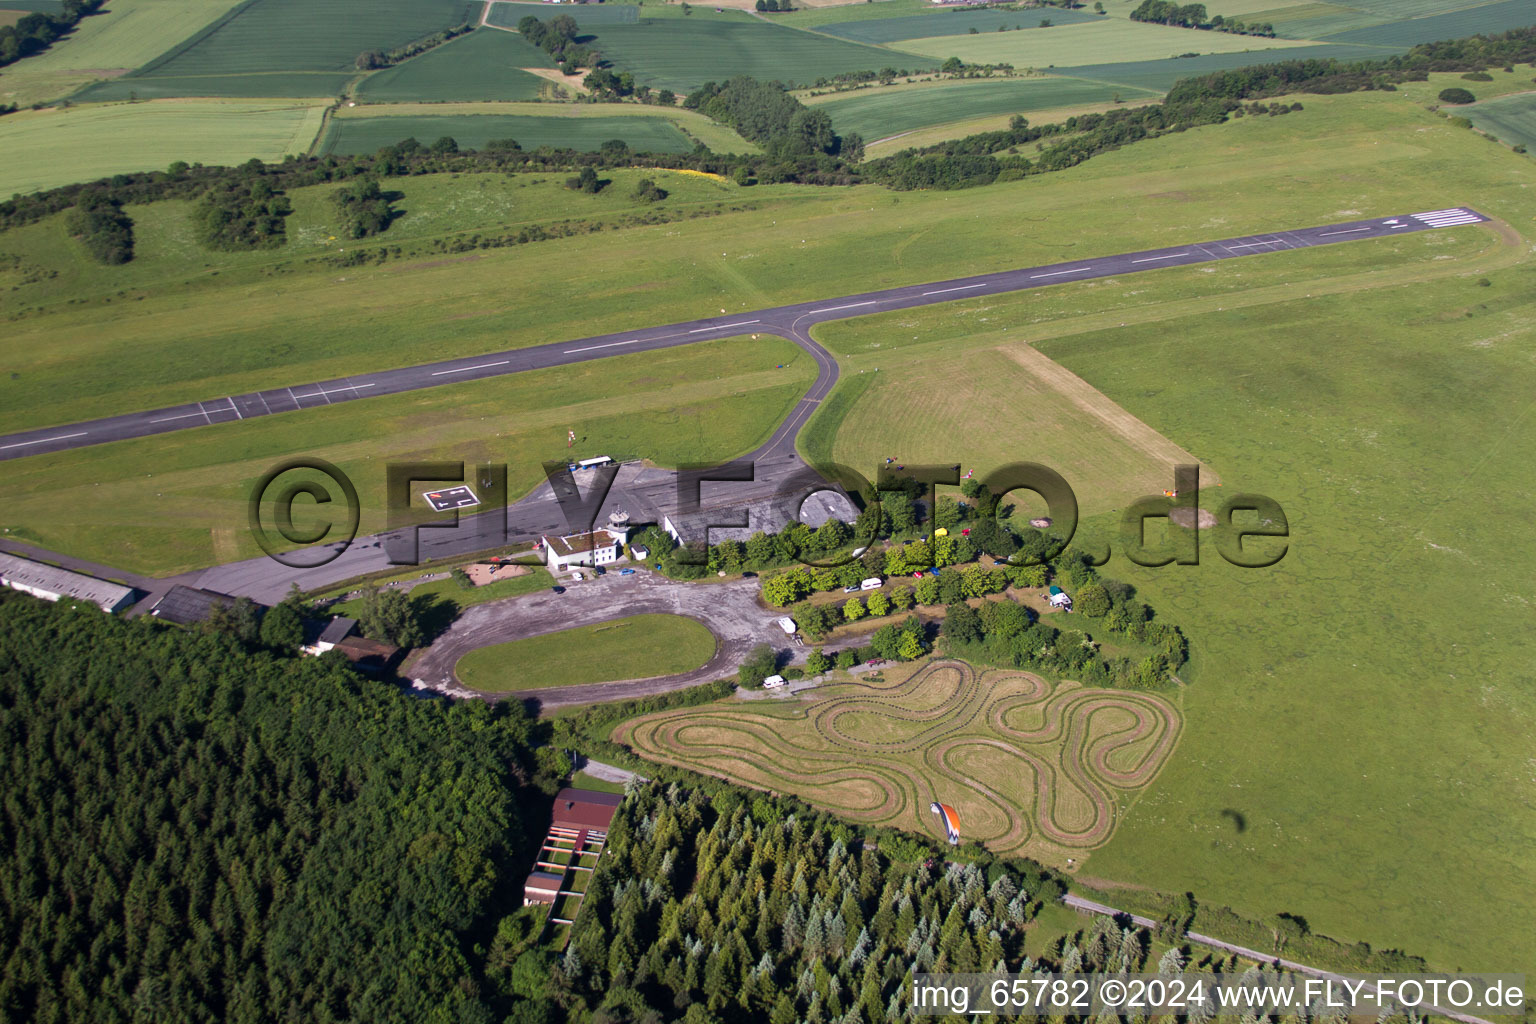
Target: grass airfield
x,y
1362,704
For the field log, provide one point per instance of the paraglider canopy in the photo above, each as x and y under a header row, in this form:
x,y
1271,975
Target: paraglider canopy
x,y
950,820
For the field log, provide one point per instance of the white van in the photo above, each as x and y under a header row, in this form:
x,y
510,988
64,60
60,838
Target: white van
x,y
873,583
773,682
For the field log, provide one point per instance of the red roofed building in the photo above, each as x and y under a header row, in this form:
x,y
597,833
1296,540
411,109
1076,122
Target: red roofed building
x,y
582,810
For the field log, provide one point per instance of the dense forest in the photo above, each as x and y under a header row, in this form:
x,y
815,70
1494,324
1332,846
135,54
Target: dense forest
x,y
195,831
724,910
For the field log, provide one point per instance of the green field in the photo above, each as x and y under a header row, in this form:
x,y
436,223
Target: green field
x,y
483,65
507,14
878,112
64,146
684,53
346,136
950,23
637,647
124,35
1511,119
1487,20
1159,75
1060,762
178,501
274,47
1104,40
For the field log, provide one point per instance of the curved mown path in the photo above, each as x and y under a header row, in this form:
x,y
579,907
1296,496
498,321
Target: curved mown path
x,y
1019,759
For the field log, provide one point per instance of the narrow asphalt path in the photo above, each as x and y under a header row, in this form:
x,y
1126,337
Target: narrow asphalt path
x,y
792,322
1094,907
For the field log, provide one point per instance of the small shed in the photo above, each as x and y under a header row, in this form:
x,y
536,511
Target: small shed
x,y
541,887
773,682
787,624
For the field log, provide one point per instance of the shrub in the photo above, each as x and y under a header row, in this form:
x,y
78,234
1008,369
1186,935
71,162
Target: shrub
x,y
1478,76
104,229
1457,96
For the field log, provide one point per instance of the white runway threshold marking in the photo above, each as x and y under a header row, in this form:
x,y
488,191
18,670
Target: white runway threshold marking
x,y
1152,259
1058,273
466,369
44,440
958,288
722,327
1447,218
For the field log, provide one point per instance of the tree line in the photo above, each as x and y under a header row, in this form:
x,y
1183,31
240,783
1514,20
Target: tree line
x,y
1165,12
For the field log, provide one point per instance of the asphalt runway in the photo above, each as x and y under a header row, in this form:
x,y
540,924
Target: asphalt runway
x,y
792,322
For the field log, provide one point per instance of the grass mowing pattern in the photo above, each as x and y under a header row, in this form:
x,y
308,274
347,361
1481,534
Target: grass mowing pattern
x,y
126,34
62,146
880,112
950,23
348,135
684,53
638,647
1076,44
1020,760
483,65
1492,18
1511,119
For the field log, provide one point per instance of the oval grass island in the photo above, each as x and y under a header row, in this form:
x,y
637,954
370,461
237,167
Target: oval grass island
x,y
637,647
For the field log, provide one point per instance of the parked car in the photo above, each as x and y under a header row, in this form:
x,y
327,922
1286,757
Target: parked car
x,y
599,571
577,576
918,575
626,572
875,662
850,590
558,589
934,571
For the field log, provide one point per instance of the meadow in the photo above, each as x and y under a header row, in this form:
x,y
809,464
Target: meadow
x,y
684,53
483,65
1082,43
1159,75
175,502
1030,768
949,23
1511,119
637,647
118,138
345,136
882,111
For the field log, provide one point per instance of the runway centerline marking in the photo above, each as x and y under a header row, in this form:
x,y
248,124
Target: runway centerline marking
x,y
182,416
1346,231
461,369
44,440
851,305
1151,259
722,327
594,348
1058,273
958,288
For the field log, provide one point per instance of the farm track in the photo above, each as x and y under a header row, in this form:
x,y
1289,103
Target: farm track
x,y
914,743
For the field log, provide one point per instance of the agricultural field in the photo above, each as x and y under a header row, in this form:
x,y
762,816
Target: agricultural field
x,y
1029,767
1486,19
950,23
691,123
124,35
684,53
1511,119
1159,75
117,138
637,647
268,47
1068,45
483,65
346,136
882,111
178,501
504,14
